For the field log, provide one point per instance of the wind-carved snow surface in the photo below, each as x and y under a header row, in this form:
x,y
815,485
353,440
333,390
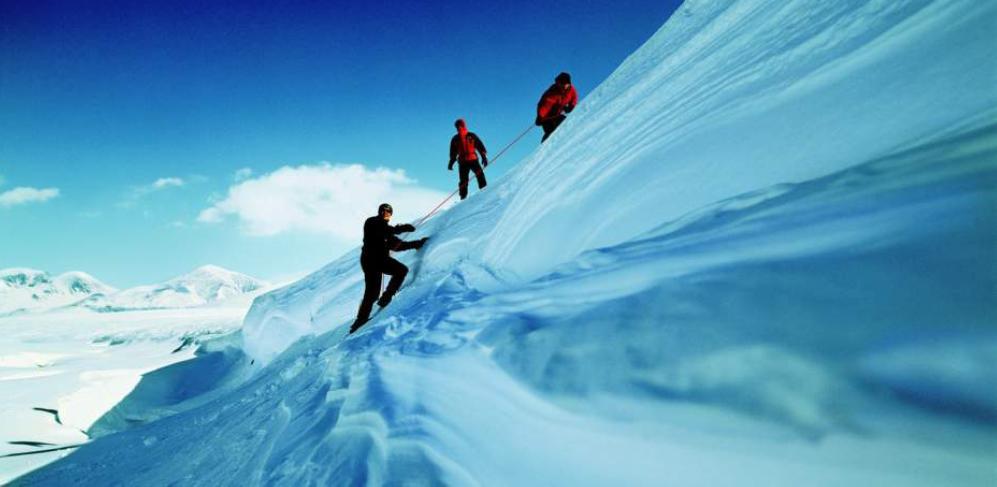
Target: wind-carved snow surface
x,y
64,368
761,252
63,374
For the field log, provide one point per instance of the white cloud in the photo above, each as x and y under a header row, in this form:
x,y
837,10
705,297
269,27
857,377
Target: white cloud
x,y
321,198
24,195
240,175
160,184
166,183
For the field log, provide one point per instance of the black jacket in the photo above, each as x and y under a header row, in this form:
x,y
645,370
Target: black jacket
x,y
379,238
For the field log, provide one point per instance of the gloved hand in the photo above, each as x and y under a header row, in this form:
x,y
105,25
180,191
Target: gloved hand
x,y
419,243
450,166
484,160
406,227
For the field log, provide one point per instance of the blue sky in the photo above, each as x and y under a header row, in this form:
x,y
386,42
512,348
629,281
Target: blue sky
x,y
143,139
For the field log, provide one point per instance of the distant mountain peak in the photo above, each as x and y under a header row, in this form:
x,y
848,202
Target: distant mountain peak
x,y
20,270
207,284
23,276
212,269
24,289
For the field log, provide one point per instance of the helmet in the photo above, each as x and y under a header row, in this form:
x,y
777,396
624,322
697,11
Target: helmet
x,y
563,79
384,208
460,123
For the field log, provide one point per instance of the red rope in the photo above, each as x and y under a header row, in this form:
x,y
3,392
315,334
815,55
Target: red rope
x,y
520,136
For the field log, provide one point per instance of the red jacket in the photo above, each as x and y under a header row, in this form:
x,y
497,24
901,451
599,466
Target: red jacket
x,y
555,101
464,145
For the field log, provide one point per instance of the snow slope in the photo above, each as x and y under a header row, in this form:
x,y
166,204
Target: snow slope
x,y
57,354
761,252
205,285
33,290
79,365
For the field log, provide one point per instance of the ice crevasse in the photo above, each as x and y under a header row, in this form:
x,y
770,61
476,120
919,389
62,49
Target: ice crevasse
x,y
761,252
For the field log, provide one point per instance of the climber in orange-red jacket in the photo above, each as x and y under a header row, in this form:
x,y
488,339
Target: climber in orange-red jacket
x,y
559,99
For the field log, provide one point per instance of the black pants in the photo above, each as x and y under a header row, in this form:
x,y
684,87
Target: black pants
x,y
550,126
465,168
372,270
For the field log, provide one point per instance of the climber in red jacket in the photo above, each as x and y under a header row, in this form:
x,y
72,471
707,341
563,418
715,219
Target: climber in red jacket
x,y
558,100
464,148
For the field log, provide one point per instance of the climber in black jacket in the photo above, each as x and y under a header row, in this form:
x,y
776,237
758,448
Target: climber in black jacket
x,y
378,240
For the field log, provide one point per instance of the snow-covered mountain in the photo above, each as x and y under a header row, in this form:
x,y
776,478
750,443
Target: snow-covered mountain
x,y
205,285
33,290
760,253
29,290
